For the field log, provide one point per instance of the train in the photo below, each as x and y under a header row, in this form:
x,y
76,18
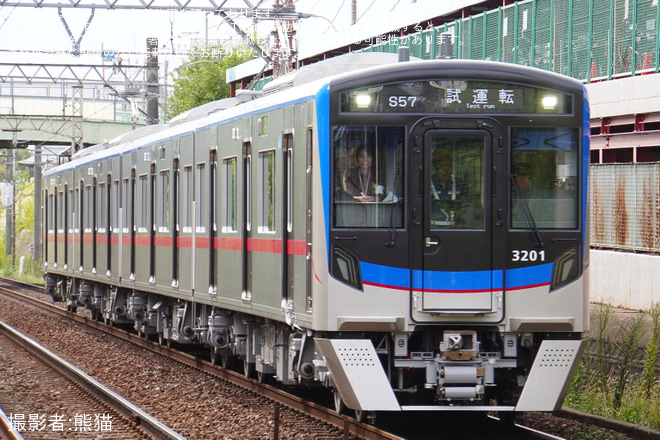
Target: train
x,y
411,235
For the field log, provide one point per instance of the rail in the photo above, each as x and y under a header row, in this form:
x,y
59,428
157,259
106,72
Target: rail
x,y
147,423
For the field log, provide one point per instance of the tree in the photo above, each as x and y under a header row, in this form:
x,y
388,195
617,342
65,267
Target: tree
x,y
201,79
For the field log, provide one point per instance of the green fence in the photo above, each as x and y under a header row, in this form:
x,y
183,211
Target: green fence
x,y
586,39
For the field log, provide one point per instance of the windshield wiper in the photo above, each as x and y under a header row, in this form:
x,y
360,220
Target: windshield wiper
x,y
527,213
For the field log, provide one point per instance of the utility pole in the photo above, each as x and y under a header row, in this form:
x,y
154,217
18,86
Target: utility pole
x,y
9,202
37,237
152,81
76,118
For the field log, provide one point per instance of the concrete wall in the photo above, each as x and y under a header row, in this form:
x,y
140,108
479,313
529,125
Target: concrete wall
x,y
625,96
624,279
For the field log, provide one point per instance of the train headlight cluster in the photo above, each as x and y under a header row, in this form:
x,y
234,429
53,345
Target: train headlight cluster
x,y
362,100
549,102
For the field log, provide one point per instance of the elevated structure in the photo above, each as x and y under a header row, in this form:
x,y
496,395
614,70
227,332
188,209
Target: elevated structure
x,y
229,6
69,104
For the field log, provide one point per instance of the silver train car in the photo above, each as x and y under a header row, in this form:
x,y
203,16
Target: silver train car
x,y
411,235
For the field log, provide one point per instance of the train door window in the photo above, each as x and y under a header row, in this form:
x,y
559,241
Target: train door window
x,y
544,165
199,198
89,206
124,205
457,181
71,212
368,176
229,222
164,204
267,191
187,199
143,203
50,213
114,207
213,181
75,211
60,212
100,208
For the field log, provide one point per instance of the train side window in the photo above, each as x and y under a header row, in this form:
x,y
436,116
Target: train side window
x,y
124,206
75,211
368,176
143,204
89,206
114,207
187,199
51,214
200,200
164,205
267,191
100,208
71,212
229,221
544,166
60,212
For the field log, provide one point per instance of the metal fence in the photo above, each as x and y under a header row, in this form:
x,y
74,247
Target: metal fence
x,y
625,206
586,39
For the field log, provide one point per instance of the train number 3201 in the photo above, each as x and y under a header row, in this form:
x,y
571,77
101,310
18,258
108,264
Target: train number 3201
x,y
525,255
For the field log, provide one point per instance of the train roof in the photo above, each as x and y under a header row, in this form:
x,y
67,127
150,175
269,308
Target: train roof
x,y
458,69
352,69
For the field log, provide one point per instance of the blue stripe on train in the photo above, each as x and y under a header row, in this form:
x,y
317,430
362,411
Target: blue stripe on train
x,y
468,281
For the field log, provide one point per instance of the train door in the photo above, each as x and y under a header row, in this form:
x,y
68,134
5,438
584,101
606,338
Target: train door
x,y
246,290
185,227
461,226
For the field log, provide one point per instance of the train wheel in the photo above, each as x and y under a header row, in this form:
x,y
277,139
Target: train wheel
x,y
248,368
359,415
224,361
261,376
339,404
161,339
215,356
508,418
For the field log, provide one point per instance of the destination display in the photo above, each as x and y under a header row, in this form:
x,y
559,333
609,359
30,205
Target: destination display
x,y
455,97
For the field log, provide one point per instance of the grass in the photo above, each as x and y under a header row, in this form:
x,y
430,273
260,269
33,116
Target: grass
x,y
618,377
32,270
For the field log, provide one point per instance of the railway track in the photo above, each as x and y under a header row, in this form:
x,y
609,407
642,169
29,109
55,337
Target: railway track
x,y
280,407
89,407
283,409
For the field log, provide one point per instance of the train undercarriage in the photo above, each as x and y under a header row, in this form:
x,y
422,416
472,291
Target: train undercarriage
x,y
434,368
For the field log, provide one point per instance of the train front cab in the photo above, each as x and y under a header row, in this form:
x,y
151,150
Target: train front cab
x,y
490,274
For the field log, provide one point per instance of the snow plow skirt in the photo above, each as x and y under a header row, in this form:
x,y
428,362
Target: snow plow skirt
x,y
358,374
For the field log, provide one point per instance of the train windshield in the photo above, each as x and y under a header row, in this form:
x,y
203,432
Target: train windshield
x,y
369,176
544,164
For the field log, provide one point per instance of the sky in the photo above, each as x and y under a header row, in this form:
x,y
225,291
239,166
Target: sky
x,y
38,35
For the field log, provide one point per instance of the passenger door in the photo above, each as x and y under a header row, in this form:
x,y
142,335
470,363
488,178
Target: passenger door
x,y
458,220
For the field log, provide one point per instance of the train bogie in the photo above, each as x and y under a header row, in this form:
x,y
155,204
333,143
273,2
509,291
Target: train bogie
x,y
368,232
